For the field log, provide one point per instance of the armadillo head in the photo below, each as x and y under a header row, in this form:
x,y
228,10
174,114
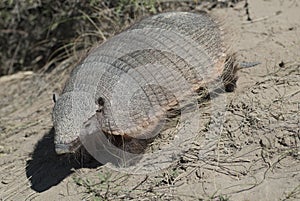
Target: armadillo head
x,y
71,111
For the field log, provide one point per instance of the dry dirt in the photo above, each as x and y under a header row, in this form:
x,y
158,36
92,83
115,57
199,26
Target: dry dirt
x,y
257,156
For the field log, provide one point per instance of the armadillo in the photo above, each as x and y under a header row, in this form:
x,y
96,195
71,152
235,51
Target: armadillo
x,y
135,77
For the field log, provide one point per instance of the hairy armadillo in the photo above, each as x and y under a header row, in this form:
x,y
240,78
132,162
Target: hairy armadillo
x,y
132,79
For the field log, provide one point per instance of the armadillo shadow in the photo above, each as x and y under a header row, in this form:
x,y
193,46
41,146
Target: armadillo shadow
x,y
47,169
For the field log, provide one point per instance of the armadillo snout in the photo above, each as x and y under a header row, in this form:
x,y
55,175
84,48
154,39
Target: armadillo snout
x,y
69,114
67,148
62,149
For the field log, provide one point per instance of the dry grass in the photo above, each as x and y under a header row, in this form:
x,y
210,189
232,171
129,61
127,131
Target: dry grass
x,y
44,33
257,145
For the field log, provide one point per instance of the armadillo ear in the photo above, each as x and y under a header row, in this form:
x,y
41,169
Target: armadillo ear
x,y
55,97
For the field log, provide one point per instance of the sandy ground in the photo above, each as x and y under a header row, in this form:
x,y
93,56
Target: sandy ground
x,y
257,156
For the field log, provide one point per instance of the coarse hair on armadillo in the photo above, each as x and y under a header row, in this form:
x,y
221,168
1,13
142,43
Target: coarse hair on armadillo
x,y
227,71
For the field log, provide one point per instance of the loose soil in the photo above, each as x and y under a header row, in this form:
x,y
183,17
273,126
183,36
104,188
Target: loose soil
x,y
257,156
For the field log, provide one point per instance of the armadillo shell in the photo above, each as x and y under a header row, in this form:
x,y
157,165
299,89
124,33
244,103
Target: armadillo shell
x,y
155,65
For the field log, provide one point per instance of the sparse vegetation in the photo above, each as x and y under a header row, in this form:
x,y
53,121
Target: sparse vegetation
x,y
37,33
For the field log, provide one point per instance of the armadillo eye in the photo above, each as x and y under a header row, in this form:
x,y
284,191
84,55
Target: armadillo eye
x,y
100,101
